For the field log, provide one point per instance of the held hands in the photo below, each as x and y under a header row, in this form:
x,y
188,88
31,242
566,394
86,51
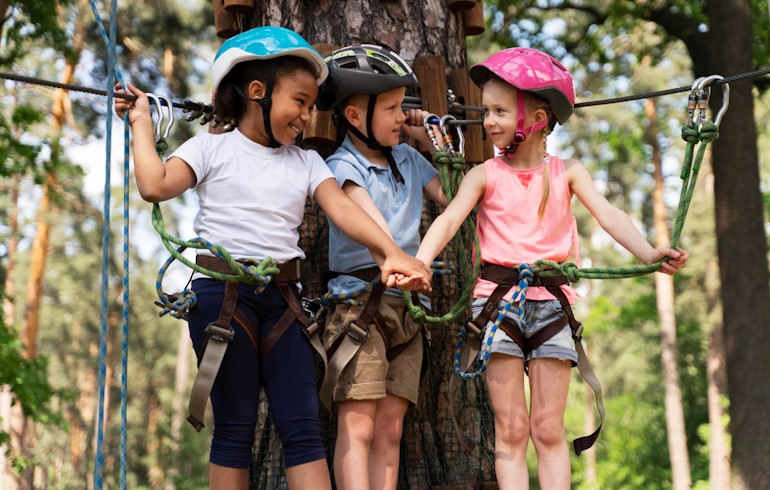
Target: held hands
x,y
414,129
678,259
407,273
137,110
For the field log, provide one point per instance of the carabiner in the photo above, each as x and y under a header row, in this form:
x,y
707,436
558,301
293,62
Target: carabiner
x,y
692,103
170,108
448,140
705,90
427,121
168,113
156,100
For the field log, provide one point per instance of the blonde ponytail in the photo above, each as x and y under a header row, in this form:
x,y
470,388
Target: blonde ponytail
x,y
546,174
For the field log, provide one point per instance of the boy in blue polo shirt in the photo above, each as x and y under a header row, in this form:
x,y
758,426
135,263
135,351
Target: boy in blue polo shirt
x,y
375,350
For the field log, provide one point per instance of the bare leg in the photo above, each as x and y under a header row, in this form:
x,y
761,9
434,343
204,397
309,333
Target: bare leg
x,y
505,380
224,478
549,387
309,476
355,431
385,454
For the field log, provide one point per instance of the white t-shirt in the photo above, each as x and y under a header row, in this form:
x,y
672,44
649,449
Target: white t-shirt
x,y
252,198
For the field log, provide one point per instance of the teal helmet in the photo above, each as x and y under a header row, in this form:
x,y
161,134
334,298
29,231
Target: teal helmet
x,y
262,43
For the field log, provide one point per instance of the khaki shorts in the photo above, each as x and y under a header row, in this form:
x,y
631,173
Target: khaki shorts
x,y
369,375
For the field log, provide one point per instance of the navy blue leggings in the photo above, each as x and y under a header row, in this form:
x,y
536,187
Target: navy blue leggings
x,y
288,376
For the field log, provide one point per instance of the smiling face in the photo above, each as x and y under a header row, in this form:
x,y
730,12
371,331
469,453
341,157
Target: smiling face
x,y
293,98
498,99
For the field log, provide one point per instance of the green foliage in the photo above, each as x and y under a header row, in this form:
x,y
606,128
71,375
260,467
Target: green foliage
x,y
28,382
29,21
17,158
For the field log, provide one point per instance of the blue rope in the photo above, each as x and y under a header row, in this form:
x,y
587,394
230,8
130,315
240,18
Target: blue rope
x,y
113,73
526,274
126,182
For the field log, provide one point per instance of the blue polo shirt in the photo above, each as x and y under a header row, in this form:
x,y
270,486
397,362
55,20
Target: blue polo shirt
x,y
400,204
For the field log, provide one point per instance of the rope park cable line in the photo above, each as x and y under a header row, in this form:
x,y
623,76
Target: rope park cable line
x,y
451,164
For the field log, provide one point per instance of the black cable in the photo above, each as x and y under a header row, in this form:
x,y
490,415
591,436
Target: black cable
x,y
187,105
409,101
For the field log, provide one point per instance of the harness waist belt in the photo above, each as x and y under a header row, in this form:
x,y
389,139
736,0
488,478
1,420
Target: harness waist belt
x,y
500,274
290,271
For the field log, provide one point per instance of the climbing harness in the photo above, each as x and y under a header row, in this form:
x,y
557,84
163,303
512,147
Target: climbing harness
x,y
220,265
355,333
220,332
521,278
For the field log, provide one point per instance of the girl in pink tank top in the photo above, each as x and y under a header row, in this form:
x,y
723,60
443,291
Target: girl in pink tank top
x,y
523,197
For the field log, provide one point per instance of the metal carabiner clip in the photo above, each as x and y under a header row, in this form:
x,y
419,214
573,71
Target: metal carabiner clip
x,y
692,103
158,100
427,121
448,140
704,88
170,116
158,124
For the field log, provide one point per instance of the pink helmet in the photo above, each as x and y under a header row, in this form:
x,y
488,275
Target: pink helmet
x,y
533,71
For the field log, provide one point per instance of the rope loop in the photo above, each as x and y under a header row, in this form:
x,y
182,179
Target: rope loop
x,y
690,135
441,158
181,305
709,132
458,164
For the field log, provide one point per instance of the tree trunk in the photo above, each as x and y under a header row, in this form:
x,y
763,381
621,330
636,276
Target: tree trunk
x,y
719,447
410,28
742,248
424,32
664,297
37,267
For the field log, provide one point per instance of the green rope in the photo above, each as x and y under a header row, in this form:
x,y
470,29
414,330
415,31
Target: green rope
x,y
451,170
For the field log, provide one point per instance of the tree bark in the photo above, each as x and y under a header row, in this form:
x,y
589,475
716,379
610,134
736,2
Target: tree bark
x,y
664,298
410,28
742,248
719,448
431,455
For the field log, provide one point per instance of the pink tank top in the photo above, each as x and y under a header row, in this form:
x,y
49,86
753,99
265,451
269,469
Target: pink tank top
x,y
508,227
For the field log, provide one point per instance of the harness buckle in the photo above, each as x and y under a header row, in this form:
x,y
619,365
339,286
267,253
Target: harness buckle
x,y
221,334
577,335
312,307
311,330
357,333
472,329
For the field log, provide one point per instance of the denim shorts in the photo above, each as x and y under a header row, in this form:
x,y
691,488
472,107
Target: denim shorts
x,y
537,315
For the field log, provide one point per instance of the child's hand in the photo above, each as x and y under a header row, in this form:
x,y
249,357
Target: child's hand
x,y
414,128
411,283
408,270
678,259
138,109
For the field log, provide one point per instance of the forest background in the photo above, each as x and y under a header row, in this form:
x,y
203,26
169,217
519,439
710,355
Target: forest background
x,y
657,346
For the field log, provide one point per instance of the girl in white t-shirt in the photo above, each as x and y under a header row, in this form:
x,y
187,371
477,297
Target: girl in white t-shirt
x,y
253,184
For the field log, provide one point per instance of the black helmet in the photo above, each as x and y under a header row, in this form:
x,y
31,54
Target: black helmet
x,y
364,69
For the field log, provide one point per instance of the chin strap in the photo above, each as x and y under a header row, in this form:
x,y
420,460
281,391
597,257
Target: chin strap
x,y
266,102
371,142
521,134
